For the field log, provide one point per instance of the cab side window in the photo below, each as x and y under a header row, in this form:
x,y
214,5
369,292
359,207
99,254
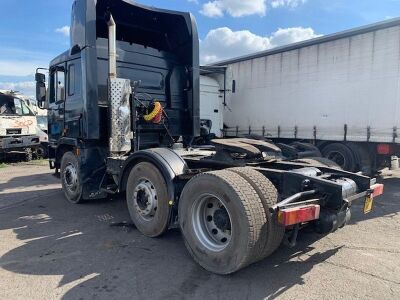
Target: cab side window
x,y
60,86
71,80
57,86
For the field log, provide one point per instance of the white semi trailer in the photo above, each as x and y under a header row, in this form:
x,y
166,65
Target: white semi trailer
x,y
341,92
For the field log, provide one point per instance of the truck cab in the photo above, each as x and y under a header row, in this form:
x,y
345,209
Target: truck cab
x,y
18,126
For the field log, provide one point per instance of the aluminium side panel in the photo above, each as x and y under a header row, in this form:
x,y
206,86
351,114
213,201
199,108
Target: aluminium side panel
x,y
318,90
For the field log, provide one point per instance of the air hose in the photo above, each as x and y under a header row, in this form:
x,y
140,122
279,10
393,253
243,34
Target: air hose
x,y
155,114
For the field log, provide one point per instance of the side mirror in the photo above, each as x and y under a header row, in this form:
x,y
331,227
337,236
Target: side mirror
x,y
40,89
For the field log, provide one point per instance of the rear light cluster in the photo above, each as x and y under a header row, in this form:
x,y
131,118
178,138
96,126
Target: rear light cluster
x,y
306,213
377,189
384,149
295,215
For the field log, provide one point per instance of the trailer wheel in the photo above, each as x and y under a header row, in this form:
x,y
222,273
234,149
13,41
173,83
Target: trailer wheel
x,y
341,155
147,199
272,233
221,218
70,178
28,156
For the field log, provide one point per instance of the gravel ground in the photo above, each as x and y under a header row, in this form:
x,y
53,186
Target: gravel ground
x,y
51,249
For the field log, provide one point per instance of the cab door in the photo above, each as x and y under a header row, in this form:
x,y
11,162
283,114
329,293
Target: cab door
x,y
73,103
56,107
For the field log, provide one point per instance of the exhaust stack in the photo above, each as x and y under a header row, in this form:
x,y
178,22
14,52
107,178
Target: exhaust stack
x,y
112,48
119,92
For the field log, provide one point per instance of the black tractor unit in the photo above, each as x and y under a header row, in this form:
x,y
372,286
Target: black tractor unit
x,y
123,110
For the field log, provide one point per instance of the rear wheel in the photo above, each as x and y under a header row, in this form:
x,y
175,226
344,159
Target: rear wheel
x,y
272,232
341,155
71,178
147,199
221,218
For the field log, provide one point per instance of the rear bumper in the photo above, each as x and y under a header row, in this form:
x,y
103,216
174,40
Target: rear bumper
x,y
291,213
12,143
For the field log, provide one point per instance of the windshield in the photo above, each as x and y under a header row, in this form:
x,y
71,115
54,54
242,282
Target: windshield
x,y
42,122
13,107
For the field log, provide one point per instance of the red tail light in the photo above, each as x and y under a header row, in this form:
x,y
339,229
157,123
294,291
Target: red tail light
x,y
291,216
377,189
384,149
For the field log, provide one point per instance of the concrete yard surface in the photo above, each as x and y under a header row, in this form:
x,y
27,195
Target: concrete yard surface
x,y
51,249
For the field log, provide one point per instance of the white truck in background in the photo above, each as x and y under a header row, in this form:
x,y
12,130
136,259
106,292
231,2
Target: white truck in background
x,y
340,92
18,127
41,151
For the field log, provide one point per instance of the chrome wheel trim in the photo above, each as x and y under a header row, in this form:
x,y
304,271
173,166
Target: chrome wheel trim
x,y
71,178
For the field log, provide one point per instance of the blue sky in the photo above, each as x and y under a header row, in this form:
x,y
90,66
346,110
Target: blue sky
x,y
33,32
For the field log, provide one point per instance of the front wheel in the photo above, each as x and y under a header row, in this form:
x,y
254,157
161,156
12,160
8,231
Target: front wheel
x,y
71,178
41,151
28,154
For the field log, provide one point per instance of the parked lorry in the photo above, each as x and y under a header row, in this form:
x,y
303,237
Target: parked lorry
x,y
340,92
123,108
18,127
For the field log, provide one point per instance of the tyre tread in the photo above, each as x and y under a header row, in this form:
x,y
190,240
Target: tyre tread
x,y
254,211
272,234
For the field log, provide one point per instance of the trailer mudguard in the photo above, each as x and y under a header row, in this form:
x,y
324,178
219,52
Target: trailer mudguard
x,y
166,160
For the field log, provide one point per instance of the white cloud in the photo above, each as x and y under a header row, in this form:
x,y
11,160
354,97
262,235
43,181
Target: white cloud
x,y
240,8
288,3
292,35
223,43
19,67
235,8
64,30
25,87
212,9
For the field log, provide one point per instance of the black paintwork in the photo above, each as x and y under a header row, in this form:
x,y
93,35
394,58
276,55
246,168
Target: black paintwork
x,y
158,47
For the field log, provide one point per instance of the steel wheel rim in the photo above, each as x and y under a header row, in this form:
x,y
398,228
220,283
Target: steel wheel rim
x,y
145,199
212,222
71,178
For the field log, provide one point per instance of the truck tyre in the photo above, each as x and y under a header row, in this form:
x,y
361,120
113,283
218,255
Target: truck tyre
x,y
28,154
71,178
341,155
41,151
221,218
272,233
147,199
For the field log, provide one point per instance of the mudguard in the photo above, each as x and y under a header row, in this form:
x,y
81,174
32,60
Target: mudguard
x,y
166,160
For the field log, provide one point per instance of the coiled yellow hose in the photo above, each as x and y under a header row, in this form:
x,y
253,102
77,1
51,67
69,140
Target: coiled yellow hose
x,y
155,114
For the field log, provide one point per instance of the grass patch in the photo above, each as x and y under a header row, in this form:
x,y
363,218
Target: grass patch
x,y
41,162
2,165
